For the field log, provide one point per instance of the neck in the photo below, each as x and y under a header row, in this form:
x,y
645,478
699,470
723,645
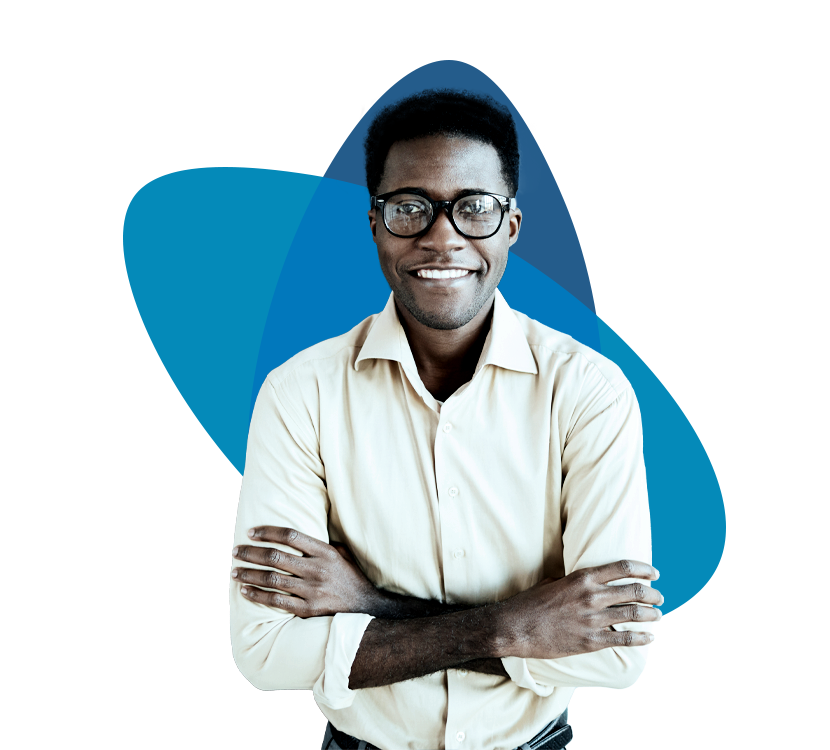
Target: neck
x,y
446,359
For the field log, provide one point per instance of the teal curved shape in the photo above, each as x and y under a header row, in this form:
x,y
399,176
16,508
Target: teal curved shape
x,y
204,249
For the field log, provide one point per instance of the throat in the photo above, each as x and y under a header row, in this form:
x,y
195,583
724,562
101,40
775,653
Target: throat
x,y
443,385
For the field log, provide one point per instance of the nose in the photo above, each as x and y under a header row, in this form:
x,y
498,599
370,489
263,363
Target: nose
x,y
442,235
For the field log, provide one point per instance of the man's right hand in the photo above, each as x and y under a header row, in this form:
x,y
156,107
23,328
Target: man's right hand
x,y
575,614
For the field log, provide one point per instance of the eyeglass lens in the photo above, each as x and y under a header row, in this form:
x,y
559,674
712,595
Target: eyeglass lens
x,y
474,215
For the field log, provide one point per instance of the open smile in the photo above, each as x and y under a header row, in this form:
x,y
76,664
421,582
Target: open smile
x,y
442,273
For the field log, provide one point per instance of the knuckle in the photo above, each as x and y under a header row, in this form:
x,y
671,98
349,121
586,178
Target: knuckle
x,y
628,638
590,641
595,621
635,613
627,567
639,592
274,557
591,599
274,581
291,534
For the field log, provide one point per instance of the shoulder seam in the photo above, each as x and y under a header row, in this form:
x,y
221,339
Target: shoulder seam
x,y
605,379
286,411
295,368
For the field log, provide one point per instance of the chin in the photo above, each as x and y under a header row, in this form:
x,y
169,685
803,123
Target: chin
x,y
443,320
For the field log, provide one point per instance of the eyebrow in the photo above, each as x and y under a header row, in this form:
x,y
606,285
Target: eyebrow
x,y
460,194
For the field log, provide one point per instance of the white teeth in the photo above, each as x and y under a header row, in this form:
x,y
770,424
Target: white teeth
x,y
434,273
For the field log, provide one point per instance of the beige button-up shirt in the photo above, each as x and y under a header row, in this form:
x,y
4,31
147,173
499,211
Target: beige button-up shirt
x,y
532,469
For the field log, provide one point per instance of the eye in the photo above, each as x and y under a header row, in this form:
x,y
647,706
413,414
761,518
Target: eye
x,y
409,206
476,205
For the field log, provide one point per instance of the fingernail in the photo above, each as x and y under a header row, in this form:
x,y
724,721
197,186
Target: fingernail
x,y
659,613
235,573
245,591
650,635
235,551
662,599
251,533
657,574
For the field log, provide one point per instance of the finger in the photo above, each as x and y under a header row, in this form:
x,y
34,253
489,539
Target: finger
x,y
631,592
630,613
624,569
270,557
270,579
292,604
308,545
617,638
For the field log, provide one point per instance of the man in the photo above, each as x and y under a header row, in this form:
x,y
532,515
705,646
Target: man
x,y
484,472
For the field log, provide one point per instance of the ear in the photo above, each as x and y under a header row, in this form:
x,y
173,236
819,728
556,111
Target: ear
x,y
515,224
373,223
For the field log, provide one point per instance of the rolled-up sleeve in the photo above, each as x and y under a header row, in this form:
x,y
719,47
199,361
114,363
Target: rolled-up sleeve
x,y
284,485
605,518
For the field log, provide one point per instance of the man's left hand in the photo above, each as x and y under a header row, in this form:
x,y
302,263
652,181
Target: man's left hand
x,y
324,580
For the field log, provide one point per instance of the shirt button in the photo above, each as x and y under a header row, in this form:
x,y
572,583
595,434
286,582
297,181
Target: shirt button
x,y
447,427
462,672
461,736
458,554
452,491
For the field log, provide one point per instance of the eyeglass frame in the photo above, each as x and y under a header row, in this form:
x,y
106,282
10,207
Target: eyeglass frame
x,y
505,203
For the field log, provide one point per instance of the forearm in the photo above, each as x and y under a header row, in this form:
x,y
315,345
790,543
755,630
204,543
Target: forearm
x,y
396,650
386,605
390,606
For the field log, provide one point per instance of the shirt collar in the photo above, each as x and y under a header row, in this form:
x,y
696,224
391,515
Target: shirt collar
x,y
506,344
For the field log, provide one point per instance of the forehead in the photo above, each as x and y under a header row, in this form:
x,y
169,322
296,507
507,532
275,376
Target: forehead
x,y
443,166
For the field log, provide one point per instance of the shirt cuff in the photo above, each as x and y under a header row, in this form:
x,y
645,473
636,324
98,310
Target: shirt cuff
x,y
332,689
520,674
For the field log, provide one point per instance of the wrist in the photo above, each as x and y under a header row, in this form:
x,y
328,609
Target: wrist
x,y
502,634
378,603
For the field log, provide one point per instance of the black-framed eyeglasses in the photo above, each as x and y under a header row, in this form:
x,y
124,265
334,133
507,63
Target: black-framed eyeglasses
x,y
475,215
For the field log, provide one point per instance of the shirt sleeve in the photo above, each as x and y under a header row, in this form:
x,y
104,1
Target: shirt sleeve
x,y
284,485
605,518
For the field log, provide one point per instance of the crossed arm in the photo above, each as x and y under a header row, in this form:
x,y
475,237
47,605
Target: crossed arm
x,y
411,637
338,585
391,606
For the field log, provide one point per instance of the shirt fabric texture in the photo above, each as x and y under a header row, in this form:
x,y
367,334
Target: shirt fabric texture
x,y
532,469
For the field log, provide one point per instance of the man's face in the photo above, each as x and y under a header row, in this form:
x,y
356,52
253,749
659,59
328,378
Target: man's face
x,y
443,168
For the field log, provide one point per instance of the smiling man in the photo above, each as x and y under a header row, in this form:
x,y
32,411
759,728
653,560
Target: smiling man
x,y
443,527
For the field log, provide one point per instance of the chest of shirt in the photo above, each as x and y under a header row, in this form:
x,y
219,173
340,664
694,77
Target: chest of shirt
x,y
461,505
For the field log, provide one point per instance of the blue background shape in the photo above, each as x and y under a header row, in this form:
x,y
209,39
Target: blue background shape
x,y
684,240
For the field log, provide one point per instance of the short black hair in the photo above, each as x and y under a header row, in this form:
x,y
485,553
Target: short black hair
x,y
443,112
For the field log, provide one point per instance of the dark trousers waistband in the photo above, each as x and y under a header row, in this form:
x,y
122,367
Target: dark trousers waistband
x,y
554,736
